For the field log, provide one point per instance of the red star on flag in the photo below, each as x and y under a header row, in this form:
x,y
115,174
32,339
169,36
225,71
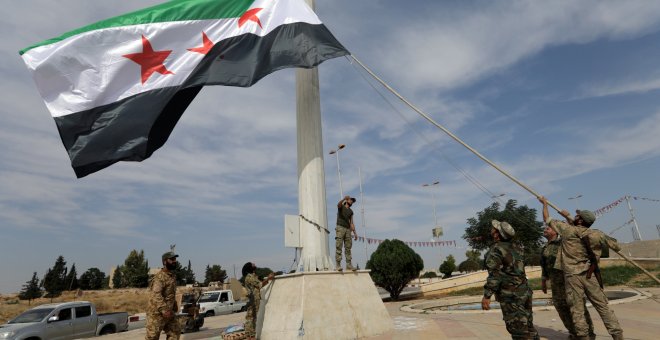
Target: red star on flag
x,y
250,15
205,48
150,61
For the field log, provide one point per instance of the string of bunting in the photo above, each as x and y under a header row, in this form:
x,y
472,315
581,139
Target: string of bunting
x,y
411,244
613,205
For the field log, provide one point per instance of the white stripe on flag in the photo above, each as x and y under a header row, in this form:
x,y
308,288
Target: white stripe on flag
x,y
88,70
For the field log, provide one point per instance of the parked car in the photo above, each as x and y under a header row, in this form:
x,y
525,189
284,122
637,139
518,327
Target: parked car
x,y
62,321
217,302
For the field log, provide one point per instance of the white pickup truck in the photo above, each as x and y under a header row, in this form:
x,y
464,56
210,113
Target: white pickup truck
x,y
62,321
217,302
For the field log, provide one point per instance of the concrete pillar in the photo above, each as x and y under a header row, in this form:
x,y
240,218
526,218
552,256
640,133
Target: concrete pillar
x,y
316,303
311,175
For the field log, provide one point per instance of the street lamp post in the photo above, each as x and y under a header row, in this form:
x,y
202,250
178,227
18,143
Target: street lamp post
x,y
435,216
577,200
336,152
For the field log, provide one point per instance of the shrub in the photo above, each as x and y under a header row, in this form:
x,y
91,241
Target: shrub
x,y
448,267
393,265
469,266
429,275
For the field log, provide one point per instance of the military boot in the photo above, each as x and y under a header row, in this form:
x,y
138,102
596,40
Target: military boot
x,y
617,336
350,267
338,267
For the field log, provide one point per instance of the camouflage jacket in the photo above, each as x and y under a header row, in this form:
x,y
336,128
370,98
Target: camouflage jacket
x,y
572,257
549,257
253,287
506,270
162,293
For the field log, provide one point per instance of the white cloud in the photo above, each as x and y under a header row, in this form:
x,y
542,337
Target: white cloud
x,y
619,87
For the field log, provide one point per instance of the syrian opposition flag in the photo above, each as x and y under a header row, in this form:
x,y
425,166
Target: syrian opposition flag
x,y
117,88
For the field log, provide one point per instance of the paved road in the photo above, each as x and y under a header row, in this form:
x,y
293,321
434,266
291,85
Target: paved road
x,y
640,320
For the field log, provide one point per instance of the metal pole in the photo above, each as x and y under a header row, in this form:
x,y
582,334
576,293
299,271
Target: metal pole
x,y
435,216
341,189
577,200
364,224
632,214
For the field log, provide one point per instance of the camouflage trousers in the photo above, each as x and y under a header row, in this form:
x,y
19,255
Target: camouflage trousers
x,y
156,324
577,286
343,237
516,308
558,287
251,318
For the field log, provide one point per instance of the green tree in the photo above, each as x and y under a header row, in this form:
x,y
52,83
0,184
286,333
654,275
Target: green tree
x,y
473,262
214,273
190,275
393,265
522,219
118,280
469,266
54,282
473,255
180,274
448,267
429,275
71,280
31,289
263,272
135,270
92,279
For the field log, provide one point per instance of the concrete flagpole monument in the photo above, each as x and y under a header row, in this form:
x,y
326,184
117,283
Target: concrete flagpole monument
x,y
315,302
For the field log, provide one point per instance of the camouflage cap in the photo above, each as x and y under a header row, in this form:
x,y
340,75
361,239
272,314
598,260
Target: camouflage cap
x,y
587,216
505,229
169,255
349,198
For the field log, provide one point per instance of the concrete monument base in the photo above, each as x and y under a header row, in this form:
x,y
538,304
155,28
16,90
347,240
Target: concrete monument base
x,y
322,305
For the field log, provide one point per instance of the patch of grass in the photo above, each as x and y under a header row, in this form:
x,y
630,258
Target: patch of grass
x,y
467,291
618,275
612,276
535,284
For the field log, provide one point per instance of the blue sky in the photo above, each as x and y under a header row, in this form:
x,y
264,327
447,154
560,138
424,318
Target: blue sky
x,y
564,95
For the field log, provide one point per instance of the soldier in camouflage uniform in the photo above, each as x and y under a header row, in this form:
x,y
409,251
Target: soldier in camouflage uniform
x,y
161,311
573,260
253,287
557,284
507,281
344,229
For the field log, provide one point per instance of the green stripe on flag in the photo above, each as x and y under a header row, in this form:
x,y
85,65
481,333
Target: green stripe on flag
x,y
175,10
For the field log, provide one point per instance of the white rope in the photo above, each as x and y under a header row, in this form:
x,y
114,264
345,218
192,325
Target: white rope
x,y
492,196
449,133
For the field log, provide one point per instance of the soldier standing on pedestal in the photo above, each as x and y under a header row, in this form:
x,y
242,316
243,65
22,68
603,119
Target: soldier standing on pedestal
x,y
344,228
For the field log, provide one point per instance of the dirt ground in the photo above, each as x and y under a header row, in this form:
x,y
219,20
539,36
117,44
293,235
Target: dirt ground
x,y
133,300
